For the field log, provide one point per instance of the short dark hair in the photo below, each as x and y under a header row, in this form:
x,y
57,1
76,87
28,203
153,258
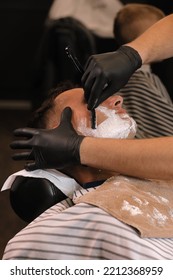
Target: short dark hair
x,y
39,116
133,19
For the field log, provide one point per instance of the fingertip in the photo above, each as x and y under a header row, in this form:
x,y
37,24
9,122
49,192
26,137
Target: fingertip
x,y
66,114
17,156
68,109
13,145
16,131
30,166
20,130
25,132
92,104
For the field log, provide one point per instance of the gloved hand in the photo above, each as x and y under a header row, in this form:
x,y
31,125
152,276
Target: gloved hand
x,y
49,148
106,73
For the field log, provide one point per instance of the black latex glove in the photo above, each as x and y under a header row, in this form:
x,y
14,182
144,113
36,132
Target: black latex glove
x,y
113,69
49,148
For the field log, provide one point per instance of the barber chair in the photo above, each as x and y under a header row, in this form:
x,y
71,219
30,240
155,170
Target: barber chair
x,y
29,197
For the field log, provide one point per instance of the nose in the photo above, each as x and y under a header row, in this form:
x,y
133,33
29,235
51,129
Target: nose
x,y
115,103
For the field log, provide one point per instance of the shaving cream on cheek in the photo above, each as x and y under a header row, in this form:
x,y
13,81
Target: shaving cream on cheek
x,y
115,125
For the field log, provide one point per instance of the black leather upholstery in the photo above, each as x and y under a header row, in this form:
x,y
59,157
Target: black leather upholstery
x,y
30,197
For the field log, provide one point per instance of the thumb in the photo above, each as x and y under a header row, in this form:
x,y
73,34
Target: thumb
x,y
66,115
31,166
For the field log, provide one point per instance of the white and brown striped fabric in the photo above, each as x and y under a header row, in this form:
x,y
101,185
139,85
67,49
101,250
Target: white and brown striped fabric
x,y
84,232
148,102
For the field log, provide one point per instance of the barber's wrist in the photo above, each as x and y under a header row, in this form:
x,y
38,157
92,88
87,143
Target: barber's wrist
x,y
133,55
140,50
84,150
76,149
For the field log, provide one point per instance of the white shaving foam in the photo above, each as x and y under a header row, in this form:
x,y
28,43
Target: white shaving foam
x,y
115,126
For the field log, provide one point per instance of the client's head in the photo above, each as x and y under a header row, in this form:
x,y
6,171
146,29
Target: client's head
x,y
133,19
112,120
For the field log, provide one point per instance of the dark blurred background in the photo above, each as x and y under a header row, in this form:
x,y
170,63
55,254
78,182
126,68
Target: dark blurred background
x,y
21,30
21,27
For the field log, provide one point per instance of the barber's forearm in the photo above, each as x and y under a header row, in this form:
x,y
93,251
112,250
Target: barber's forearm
x,y
151,158
156,43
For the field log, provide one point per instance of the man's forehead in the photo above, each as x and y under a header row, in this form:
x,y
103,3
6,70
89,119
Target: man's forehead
x,y
71,93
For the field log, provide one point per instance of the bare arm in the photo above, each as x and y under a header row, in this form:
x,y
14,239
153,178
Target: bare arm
x,y
151,158
156,43
61,147
145,158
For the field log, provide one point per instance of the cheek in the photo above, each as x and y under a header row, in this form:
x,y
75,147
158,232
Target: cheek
x,y
100,117
83,116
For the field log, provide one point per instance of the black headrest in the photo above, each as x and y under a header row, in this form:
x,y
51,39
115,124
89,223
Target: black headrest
x,y
30,197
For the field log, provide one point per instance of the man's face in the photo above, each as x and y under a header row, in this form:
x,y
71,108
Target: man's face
x,y
112,119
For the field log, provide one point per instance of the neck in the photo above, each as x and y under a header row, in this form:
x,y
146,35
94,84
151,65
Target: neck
x,y
85,174
145,68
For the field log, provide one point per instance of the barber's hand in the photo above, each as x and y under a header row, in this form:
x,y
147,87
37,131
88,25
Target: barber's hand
x,y
107,73
49,148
